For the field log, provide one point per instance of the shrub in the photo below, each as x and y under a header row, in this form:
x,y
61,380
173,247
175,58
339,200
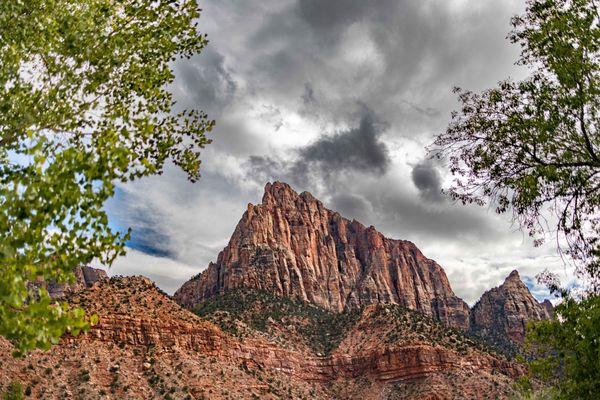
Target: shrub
x,y
14,392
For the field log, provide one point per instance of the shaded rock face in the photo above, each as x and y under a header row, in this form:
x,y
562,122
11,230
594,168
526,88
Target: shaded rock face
x,y
291,245
84,277
503,312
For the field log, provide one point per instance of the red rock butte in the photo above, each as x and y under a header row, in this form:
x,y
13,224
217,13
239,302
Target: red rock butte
x,y
292,245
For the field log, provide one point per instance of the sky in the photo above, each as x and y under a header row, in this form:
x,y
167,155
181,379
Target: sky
x,y
339,98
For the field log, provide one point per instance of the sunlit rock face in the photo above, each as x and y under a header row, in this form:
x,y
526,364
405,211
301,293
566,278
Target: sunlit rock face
x,y
292,245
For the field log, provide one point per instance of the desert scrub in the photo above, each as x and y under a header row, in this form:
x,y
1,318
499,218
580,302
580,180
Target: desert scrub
x,y
321,329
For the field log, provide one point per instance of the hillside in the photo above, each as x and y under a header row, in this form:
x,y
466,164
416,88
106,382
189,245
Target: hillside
x,y
301,304
147,346
396,352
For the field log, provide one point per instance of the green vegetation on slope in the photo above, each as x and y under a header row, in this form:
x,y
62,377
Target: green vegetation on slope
x,y
397,325
499,342
244,311
322,330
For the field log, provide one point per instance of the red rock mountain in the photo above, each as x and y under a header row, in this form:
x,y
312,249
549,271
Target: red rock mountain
x,y
504,311
292,245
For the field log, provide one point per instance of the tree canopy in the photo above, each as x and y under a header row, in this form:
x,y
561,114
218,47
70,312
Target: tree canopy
x,y
568,348
84,105
532,147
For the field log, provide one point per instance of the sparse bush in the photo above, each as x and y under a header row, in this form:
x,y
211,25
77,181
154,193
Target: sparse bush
x,y
14,391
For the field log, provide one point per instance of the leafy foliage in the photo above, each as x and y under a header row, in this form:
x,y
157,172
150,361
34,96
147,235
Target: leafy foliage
x,y
14,392
568,349
83,106
532,146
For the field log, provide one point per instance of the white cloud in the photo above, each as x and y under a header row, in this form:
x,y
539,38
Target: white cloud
x,y
168,274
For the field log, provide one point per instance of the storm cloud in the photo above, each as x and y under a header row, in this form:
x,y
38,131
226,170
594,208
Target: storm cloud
x,y
428,180
339,98
355,149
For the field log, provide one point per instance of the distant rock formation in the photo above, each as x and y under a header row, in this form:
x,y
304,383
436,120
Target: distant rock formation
x,y
503,312
291,245
84,277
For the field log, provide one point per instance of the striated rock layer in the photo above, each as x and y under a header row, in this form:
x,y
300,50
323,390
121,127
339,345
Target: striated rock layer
x,y
503,312
146,346
291,245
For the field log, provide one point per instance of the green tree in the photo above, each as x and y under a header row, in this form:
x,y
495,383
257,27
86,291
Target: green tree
x,y
568,348
83,105
531,147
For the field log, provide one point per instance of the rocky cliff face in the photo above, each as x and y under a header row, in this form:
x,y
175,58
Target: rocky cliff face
x,y
503,312
84,277
291,245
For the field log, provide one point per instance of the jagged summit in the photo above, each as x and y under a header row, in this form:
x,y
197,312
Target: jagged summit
x,y
514,279
505,310
292,245
514,275
277,192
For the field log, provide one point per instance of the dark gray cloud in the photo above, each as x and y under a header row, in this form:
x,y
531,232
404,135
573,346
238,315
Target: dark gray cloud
x,y
331,15
359,148
353,206
356,149
427,179
308,97
405,216
401,58
290,84
206,82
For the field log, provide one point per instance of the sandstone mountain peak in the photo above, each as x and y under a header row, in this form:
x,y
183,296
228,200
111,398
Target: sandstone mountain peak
x,y
514,278
514,274
292,245
503,312
280,194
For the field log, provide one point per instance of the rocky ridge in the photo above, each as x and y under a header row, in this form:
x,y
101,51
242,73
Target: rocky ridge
x,y
147,346
292,245
85,277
